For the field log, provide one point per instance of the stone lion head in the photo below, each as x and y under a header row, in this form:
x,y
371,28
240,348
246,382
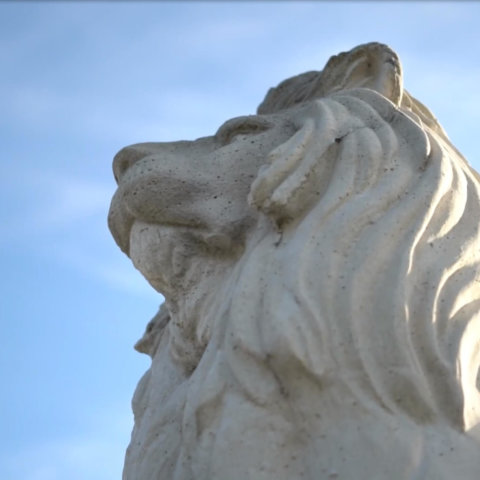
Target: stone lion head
x,y
320,265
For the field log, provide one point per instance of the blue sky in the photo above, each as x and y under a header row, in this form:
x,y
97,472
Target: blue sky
x,y
78,81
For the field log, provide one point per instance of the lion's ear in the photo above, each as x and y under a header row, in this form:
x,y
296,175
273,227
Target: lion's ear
x,y
373,65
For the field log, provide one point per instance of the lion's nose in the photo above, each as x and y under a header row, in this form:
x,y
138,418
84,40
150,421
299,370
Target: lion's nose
x,y
125,158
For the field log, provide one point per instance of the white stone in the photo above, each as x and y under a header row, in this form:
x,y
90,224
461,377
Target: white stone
x,y
320,264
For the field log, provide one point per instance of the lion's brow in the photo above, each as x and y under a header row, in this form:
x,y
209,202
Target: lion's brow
x,y
244,124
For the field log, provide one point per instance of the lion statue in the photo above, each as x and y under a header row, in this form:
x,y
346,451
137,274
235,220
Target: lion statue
x,y
320,267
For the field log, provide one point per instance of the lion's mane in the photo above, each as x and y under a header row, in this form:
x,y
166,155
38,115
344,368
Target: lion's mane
x,y
383,267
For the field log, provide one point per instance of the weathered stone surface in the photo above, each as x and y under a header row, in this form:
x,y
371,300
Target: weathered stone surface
x,y
320,264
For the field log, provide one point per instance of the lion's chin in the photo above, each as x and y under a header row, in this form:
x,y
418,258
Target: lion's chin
x,y
151,251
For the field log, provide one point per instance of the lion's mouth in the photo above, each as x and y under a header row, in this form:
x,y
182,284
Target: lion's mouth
x,y
148,203
120,222
123,216
120,219
145,193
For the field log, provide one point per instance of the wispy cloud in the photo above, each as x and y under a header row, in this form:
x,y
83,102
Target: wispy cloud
x,y
64,218
43,202
72,458
96,454
113,270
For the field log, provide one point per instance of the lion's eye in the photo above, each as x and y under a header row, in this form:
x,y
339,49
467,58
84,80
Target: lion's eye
x,y
249,125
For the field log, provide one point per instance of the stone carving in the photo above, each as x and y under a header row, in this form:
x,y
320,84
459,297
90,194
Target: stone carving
x,y
320,264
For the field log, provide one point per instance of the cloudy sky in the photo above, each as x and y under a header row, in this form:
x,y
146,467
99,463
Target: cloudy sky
x,y
79,80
